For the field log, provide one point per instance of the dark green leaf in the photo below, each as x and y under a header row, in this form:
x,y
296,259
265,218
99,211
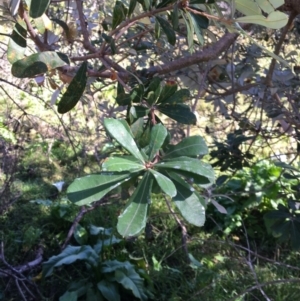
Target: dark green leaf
x,y
190,32
92,188
153,90
122,98
111,42
137,93
64,26
38,63
119,14
179,97
119,132
190,146
74,91
295,235
133,219
179,112
168,30
109,290
69,255
166,185
80,235
157,138
188,202
165,3
192,166
175,17
168,90
38,7
17,43
122,164
200,21
132,5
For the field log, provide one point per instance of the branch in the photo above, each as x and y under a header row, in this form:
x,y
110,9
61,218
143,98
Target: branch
x,y
208,53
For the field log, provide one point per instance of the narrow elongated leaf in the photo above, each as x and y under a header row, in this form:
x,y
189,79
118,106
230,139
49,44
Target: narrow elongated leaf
x,y
192,166
92,188
17,43
164,3
118,131
175,17
179,112
38,63
199,23
64,26
187,201
74,90
133,220
168,30
166,185
119,14
275,20
132,5
157,138
38,7
247,7
190,146
69,255
122,164
178,97
202,1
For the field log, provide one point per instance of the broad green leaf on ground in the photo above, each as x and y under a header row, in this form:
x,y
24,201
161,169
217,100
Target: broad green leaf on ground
x,y
38,63
190,165
167,29
190,146
133,219
166,185
275,20
119,14
92,188
247,7
131,281
17,43
122,164
179,112
74,91
118,131
157,138
109,290
38,7
69,255
187,201
178,97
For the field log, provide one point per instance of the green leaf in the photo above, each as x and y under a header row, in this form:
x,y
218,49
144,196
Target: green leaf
x,y
137,93
153,90
122,164
80,235
168,30
132,5
179,112
118,131
74,91
192,166
166,185
92,188
122,98
187,201
190,146
64,26
190,31
38,63
38,7
17,43
119,14
276,3
179,97
275,20
157,138
247,7
109,290
133,219
69,255
265,5
167,91
111,42
164,3
69,296
199,21
175,17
